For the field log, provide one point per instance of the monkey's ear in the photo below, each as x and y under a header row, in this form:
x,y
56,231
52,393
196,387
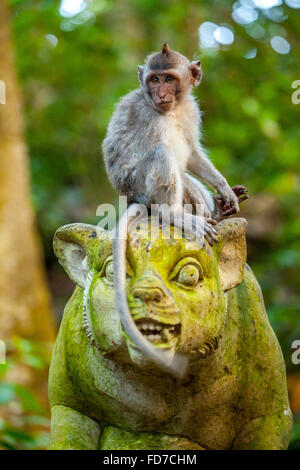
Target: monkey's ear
x,y
232,252
74,246
196,73
140,69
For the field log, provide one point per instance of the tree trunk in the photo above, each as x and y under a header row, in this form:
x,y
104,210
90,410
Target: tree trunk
x,y
24,297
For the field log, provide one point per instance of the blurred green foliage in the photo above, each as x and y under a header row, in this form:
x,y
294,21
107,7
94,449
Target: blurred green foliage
x,y
24,424
74,68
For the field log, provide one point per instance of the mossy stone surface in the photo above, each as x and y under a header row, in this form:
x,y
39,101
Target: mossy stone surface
x,y
111,397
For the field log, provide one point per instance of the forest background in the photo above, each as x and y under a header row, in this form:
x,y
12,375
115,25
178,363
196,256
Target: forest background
x,y
63,67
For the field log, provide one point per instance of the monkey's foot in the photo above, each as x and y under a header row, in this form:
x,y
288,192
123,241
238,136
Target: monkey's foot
x,y
196,226
225,210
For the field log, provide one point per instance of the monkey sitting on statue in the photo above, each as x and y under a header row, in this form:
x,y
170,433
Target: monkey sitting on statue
x,y
153,140
151,147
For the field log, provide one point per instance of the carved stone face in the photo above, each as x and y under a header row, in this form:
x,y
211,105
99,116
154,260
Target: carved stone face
x,y
175,289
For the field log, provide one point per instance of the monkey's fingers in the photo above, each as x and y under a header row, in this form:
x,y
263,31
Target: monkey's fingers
x,y
211,237
211,221
192,227
227,207
239,189
200,233
229,212
243,193
209,228
210,234
208,237
243,198
209,240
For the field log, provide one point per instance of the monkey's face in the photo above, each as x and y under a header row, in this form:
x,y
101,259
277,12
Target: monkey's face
x,y
167,77
164,90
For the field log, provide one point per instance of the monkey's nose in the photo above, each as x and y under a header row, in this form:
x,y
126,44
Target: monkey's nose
x,y
148,293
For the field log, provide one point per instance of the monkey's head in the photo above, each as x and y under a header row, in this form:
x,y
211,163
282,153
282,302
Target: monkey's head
x,y
176,290
167,77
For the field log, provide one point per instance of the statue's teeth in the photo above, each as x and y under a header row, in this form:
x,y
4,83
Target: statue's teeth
x,y
155,328
154,338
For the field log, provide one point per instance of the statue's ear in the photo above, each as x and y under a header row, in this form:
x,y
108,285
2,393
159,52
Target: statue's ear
x,y
232,252
74,246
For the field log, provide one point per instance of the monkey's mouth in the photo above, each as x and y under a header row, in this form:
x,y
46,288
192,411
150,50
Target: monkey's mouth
x,y
165,103
161,104
160,334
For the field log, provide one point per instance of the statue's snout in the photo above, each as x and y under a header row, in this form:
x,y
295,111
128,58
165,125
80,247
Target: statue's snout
x,y
149,299
148,288
148,294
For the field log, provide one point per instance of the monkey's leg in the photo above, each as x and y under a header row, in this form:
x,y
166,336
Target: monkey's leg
x,y
196,194
158,180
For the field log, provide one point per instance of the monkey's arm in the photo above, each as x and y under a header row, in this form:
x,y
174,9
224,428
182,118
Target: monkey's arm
x,y
72,430
201,166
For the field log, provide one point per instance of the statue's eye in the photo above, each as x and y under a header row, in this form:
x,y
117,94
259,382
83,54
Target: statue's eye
x,y
187,272
109,272
189,275
155,80
169,78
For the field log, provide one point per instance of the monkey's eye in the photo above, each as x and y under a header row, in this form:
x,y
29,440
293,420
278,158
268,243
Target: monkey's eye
x,y
155,80
188,273
169,79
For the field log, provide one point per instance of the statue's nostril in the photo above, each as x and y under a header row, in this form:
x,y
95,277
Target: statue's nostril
x,y
148,293
157,295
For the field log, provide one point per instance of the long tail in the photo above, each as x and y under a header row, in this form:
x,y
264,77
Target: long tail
x,y
175,364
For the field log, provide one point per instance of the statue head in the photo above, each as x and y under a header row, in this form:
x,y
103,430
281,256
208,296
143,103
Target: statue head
x,y
175,288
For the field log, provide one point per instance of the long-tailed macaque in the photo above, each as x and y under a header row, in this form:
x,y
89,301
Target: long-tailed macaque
x,y
153,155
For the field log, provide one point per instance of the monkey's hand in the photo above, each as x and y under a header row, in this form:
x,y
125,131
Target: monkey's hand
x,y
225,208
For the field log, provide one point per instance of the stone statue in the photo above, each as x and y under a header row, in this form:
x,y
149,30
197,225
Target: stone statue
x,y
202,302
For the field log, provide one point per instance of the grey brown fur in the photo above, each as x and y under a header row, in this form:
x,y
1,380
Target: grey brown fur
x,y
147,153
